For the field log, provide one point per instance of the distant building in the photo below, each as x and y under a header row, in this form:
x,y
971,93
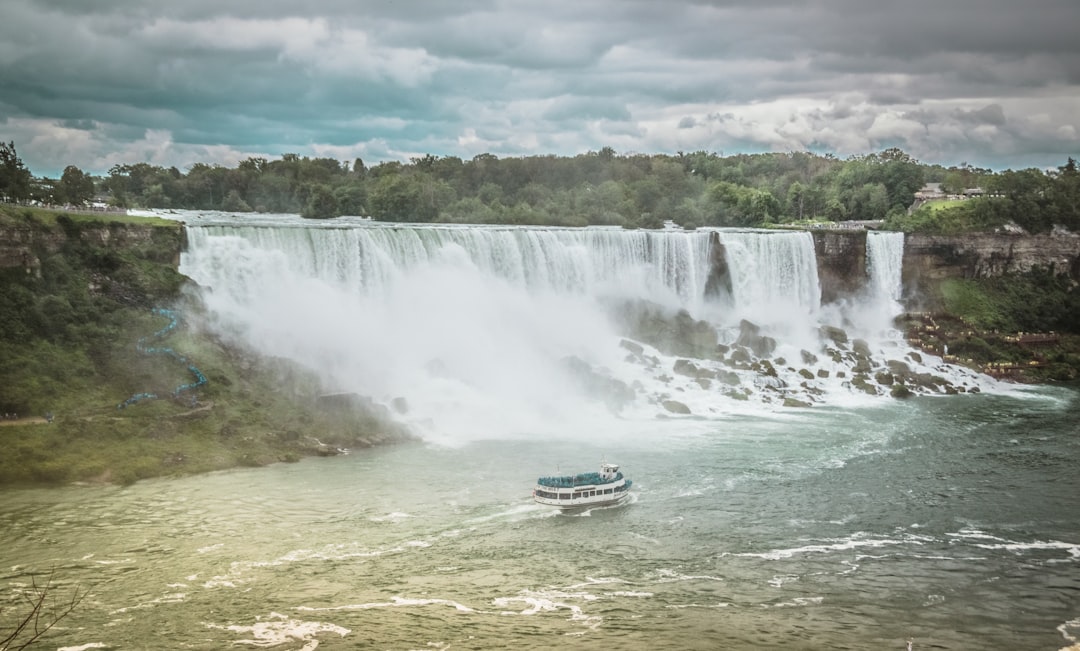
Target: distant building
x,y
929,192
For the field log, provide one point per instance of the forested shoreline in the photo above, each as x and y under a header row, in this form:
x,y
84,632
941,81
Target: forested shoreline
x,y
596,188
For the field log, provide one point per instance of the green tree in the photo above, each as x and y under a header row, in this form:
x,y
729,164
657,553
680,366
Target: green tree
x,y
235,203
322,204
14,177
75,186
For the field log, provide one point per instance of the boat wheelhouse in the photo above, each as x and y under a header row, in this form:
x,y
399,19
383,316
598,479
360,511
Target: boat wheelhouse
x,y
608,486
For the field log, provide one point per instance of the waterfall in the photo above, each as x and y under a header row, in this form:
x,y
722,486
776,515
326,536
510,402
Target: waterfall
x,y
489,329
371,259
884,263
774,275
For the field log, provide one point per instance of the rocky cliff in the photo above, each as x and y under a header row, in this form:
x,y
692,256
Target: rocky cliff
x,y
23,244
929,259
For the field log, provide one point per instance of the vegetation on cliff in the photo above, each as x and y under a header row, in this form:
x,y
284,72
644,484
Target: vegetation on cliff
x,y
72,310
1023,326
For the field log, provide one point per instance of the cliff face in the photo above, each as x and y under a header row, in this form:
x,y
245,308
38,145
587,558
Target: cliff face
x,y
22,246
984,255
841,262
929,259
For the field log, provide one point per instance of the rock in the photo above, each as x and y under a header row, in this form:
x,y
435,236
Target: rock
x,y
672,334
633,347
899,368
792,402
728,377
675,407
765,368
834,334
861,348
808,358
750,336
689,369
862,383
806,373
740,356
900,391
822,373
884,379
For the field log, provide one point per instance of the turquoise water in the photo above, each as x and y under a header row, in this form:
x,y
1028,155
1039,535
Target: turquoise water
x,y
952,522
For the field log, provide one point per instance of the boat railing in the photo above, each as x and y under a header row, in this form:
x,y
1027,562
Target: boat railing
x,y
584,479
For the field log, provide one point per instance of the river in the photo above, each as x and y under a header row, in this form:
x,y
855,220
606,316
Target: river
x,y
952,522
776,504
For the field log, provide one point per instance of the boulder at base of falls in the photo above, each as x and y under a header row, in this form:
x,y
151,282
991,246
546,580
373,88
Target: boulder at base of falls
x,y
675,407
900,391
730,378
672,333
792,402
689,369
750,336
834,334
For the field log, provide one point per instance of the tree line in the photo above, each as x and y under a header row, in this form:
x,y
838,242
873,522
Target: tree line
x,y
595,188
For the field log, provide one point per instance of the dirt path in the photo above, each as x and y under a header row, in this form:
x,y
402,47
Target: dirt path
x,y
35,420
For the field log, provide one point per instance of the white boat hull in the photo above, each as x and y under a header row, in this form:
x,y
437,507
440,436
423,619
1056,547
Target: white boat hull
x,y
571,497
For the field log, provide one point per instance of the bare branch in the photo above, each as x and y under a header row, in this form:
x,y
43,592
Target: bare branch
x,y
32,625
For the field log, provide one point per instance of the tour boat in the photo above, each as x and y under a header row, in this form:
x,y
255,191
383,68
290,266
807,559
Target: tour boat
x,y
608,486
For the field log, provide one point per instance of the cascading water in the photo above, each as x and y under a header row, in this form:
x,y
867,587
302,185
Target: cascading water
x,y
884,263
486,330
773,276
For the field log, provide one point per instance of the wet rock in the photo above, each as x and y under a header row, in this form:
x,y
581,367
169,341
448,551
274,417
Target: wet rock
x,y
728,377
822,373
689,369
673,333
740,355
764,367
862,382
884,379
633,347
806,373
834,334
898,368
808,358
750,336
900,392
861,348
792,402
675,407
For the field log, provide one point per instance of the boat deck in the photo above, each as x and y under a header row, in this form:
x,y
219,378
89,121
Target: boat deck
x,y
584,479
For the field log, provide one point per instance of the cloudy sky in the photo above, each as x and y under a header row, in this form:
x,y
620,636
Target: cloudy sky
x,y
994,83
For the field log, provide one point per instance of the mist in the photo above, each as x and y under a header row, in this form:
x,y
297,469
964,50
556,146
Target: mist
x,y
495,333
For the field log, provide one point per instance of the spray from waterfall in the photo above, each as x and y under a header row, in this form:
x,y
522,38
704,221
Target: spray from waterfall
x,y
497,331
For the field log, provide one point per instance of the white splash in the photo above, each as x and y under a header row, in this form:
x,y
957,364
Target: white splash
x,y
473,326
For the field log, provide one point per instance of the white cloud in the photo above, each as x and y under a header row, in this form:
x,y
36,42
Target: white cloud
x,y
986,81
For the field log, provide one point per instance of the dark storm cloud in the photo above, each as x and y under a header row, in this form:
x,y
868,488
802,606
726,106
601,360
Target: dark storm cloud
x,y
96,83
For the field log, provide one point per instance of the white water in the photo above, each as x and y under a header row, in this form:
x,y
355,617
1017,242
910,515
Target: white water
x,y
472,325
